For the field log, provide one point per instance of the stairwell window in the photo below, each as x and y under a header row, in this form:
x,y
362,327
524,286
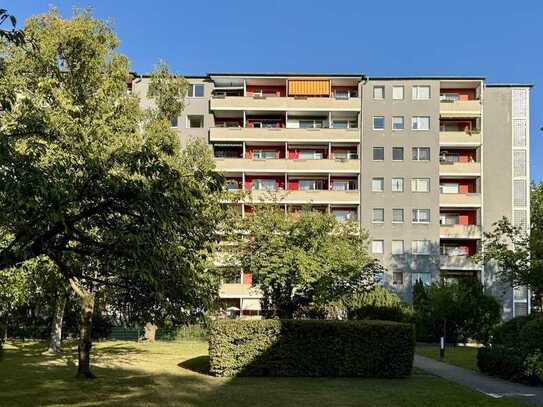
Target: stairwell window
x,y
195,122
420,123
195,91
421,92
421,216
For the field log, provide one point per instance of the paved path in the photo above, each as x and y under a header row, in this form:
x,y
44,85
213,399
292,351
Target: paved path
x,y
490,386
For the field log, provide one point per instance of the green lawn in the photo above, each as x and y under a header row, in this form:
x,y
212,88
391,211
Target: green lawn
x,y
174,374
463,356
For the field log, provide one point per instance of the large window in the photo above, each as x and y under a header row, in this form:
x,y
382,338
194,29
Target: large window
x,y
397,215
421,153
378,184
421,92
378,153
397,123
420,185
420,247
379,92
310,124
424,278
344,215
420,122
378,215
311,184
264,184
397,184
449,188
397,92
377,246
264,154
195,122
195,91
310,155
378,122
421,216
397,153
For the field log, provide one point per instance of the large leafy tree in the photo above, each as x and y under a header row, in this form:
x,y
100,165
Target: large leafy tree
x,y
97,185
303,259
517,253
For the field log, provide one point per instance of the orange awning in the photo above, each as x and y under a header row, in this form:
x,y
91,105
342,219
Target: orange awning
x,y
309,87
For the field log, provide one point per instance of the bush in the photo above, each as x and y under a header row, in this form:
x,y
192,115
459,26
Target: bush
x,y
311,348
378,304
507,333
531,336
502,362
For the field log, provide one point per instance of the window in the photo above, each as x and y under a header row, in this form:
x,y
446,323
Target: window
x,y
231,185
378,122
424,278
421,153
378,215
378,92
195,122
310,155
420,247
421,92
311,184
264,154
448,188
341,94
397,278
397,215
519,192
420,185
420,122
397,247
377,246
344,185
397,184
345,155
378,153
421,216
195,91
344,215
397,92
378,184
174,121
264,184
397,153
397,123
310,124
453,249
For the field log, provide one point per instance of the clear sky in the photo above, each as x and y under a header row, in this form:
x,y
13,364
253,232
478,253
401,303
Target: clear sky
x,y
501,40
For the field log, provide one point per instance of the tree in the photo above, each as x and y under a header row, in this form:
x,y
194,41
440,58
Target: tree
x,y
97,185
303,259
12,35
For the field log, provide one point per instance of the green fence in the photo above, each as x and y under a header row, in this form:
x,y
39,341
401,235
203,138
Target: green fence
x,y
190,332
126,334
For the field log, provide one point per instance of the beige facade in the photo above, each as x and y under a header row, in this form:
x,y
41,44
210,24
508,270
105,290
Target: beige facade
x,y
425,164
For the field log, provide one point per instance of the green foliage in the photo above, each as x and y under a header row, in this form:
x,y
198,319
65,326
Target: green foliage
x,y
378,304
464,308
531,336
507,333
183,333
96,184
502,362
303,259
311,348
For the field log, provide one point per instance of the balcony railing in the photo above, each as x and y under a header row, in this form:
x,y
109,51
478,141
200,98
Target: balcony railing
x,y
447,167
460,231
460,200
284,134
459,138
464,108
303,197
282,165
284,103
457,263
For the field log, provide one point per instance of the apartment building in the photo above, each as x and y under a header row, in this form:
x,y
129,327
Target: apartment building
x,y
425,164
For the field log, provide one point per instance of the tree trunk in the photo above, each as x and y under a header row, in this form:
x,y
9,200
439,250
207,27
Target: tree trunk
x,y
56,329
85,330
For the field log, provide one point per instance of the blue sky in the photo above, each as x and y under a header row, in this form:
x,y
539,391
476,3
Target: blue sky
x,y
499,39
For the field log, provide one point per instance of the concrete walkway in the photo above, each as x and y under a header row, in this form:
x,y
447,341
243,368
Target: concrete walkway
x,y
490,386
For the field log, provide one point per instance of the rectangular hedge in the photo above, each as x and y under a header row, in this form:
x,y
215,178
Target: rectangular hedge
x,y
311,348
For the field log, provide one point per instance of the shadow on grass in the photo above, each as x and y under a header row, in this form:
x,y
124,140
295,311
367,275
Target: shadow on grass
x,y
198,364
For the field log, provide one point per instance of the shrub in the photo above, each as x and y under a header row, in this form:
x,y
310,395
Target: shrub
x,y
378,304
311,348
531,336
507,333
502,362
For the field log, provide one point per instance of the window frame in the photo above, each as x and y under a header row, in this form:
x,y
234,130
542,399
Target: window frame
x,y
174,119
403,123
190,116
373,123
377,148
418,153
415,216
382,183
392,184
373,212
417,253
382,87
393,251
398,148
415,119
191,92
415,92
402,87
395,281
382,244
415,181
400,211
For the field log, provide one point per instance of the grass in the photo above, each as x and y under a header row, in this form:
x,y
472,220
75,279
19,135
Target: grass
x,y
174,374
462,356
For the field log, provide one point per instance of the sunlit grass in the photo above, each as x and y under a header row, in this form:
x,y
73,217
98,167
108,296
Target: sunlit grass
x,y
462,356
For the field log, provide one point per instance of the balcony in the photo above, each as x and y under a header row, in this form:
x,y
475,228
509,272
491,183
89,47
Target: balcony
x,y
460,200
282,165
239,291
457,263
459,138
460,109
302,197
284,103
460,231
224,134
459,168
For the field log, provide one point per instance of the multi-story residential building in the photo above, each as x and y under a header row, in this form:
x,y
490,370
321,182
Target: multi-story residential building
x,y
425,164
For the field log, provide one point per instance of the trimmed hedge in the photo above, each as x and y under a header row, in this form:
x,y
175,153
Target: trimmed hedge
x,y
502,362
311,348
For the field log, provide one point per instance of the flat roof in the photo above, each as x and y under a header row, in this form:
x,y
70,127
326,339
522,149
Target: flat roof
x,y
509,85
448,78
307,74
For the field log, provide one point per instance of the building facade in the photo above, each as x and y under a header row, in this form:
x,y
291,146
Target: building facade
x,y
425,164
